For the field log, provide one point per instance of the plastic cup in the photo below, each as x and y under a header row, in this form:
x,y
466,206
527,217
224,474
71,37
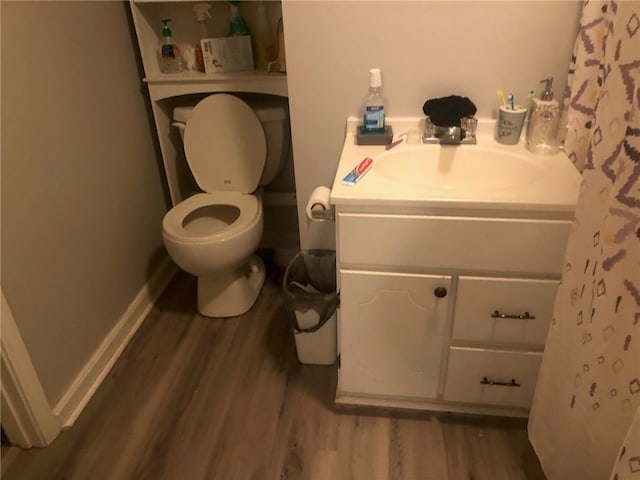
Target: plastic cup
x,y
509,125
413,136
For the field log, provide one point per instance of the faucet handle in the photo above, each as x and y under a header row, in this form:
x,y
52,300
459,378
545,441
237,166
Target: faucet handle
x,y
429,128
450,135
469,125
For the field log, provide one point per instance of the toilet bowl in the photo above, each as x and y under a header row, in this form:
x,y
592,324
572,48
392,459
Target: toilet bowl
x,y
214,235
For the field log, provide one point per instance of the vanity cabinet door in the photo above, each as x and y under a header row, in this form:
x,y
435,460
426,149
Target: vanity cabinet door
x,y
392,333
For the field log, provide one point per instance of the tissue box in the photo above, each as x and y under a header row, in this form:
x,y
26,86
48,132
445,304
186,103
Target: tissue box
x,y
228,54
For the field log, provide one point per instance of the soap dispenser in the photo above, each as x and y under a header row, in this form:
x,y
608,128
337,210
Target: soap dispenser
x,y
169,52
542,128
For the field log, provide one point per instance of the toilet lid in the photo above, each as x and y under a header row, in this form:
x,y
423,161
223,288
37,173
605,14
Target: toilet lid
x,y
225,145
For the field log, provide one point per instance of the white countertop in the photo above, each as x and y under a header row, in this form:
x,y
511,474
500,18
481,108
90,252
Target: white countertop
x,y
554,188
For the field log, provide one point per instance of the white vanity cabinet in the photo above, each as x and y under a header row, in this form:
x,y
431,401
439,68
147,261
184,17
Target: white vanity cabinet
x,y
445,312
447,284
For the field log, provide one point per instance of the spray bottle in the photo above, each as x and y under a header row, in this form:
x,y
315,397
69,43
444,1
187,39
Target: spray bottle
x,y
237,25
202,12
264,48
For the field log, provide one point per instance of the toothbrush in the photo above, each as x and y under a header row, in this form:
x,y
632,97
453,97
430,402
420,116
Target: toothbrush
x,y
502,98
389,146
511,101
529,100
400,137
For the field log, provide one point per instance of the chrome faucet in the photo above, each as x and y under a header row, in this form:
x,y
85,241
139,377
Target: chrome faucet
x,y
464,134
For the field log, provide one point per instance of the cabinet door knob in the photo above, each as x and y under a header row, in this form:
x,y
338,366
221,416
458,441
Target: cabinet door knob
x,y
440,292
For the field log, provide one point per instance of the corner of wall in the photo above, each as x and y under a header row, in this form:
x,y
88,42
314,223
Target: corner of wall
x,y
105,356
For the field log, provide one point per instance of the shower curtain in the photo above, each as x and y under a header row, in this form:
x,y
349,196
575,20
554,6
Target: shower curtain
x,y
588,389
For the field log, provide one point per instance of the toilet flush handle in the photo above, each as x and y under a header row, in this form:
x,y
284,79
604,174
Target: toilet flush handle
x,y
180,126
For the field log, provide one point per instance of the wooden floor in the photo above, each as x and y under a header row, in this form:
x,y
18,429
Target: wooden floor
x,y
199,398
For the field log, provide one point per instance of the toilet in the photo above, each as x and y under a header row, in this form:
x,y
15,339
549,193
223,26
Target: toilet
x,y
232,148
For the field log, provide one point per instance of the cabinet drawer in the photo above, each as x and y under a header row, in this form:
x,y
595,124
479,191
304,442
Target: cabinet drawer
x,y
494,244
489,310
485,376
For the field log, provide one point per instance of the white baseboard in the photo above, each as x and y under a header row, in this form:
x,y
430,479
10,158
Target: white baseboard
x,y
96,369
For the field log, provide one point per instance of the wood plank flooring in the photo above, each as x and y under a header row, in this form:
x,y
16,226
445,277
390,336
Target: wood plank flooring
x,y
198,398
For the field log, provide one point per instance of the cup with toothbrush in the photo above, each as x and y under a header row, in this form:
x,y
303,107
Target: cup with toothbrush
x,y
510,119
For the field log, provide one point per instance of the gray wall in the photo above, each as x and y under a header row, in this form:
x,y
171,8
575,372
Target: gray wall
x,y
82,196
426,49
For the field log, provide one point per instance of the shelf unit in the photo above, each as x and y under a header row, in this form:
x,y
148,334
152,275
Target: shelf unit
x,y
162,85
167,91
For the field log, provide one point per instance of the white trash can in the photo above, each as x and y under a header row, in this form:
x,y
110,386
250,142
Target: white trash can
x,y
311,300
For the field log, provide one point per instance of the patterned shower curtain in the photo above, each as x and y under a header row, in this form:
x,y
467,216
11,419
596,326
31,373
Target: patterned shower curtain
x,y
588,390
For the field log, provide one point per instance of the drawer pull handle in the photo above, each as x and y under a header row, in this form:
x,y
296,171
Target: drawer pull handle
x,y
522,316
512,383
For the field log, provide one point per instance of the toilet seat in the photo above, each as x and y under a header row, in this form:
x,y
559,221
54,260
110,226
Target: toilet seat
x,y
173,224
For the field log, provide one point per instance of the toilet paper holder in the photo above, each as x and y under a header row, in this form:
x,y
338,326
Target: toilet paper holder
x,y
319,212
319,204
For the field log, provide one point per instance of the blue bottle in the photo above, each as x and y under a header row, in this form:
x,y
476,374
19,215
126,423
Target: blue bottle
x,y
373,121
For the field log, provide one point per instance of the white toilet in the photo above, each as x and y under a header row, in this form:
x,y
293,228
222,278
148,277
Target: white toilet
x,y
231,148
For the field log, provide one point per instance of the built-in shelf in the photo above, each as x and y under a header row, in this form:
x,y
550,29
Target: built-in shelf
x,y
169,90
170,85
147,19
193,76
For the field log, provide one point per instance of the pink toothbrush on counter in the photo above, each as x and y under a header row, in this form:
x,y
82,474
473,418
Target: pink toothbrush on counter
x,y
389,146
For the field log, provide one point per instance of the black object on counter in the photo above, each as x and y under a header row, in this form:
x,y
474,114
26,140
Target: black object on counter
x,y
365,138
447,111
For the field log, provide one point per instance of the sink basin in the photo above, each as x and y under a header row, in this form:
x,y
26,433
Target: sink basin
x,y
457,168
489,177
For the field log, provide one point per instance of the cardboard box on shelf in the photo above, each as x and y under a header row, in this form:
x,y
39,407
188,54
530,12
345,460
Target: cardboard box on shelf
x,y
227,54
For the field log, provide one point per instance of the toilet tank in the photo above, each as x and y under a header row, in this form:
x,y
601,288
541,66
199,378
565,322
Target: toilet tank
x,y
273,113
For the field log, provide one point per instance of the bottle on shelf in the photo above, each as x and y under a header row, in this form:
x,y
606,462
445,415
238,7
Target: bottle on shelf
x,y
202,13
170,60
279,64
237,25
265,48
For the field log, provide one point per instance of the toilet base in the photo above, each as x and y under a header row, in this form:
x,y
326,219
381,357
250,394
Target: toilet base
x,y
228,294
